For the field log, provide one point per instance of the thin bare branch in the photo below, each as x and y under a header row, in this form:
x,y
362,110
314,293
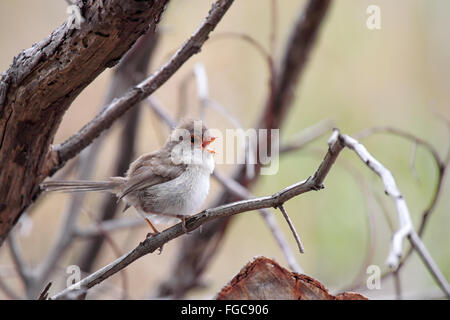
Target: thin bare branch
x,y
406,227
118,107
273,27
307,135
336,143
202,88
131,70
161,112
70,219
281,241
418,245
240,192
403,134
204,101
44,293
225,113
109,226
115,248
299,46
397,285
412,161
370,211
182,96
52,73
243,193
281,87
248,39
131,67
291,226
391,190
20,265
442,168
151,244
446,121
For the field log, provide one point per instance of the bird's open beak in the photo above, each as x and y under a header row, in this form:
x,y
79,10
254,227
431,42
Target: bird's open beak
x,y
207,141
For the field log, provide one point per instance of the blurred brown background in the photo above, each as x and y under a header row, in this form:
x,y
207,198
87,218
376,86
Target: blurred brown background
x,y
397,76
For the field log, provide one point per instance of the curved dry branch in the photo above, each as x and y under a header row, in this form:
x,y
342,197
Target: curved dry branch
x,y
406,228
442,166
151,244
337,143
404,218
118,107
405,135
241,193
248,39
131,70
282,86
42,82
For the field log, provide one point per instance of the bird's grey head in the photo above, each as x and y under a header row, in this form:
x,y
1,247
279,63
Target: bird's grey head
x,y
190,138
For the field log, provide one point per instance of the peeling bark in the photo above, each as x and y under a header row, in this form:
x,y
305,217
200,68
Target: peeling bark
x,y
264,279
42,82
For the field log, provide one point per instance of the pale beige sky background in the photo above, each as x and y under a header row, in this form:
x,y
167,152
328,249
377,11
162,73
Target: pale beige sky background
x,y
357,77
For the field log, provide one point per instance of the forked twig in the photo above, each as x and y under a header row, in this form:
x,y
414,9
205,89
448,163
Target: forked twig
x,y
151,244
336,143
291,226
442,166
406,227
241,193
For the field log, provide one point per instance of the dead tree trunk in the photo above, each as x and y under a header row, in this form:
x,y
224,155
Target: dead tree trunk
x,y
43,81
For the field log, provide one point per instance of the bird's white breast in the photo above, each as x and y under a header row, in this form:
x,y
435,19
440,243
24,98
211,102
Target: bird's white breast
x,y
196,182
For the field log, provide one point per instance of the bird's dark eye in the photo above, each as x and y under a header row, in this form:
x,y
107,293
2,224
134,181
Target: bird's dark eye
x,y
192,139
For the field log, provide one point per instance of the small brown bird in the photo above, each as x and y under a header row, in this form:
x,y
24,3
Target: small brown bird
x,y
172,182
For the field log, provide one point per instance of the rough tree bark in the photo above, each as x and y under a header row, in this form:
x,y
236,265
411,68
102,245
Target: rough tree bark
x,y
43,81
265,279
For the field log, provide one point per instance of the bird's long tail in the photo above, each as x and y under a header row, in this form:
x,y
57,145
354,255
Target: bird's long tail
x,y
112,185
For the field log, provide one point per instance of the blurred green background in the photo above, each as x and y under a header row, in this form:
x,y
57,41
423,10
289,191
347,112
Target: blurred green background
x,y
397,76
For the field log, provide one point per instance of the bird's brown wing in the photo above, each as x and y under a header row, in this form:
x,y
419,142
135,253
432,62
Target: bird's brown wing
x,y
149,170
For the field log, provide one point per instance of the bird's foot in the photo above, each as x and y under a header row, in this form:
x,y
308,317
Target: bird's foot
x,y
183,223
152,234
155,231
